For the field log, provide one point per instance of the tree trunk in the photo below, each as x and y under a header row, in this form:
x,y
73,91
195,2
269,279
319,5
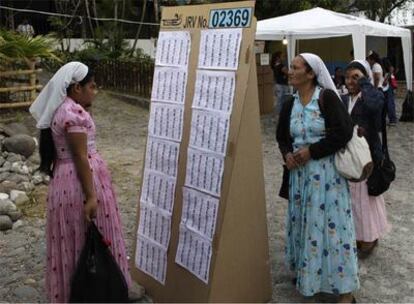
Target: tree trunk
x,y
144,6
89,19
95,13
156,11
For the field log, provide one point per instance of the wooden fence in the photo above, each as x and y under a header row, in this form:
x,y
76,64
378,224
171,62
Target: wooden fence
x,y
125,77
18,88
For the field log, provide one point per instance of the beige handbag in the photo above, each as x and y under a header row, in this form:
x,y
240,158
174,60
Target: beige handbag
x,y
354,162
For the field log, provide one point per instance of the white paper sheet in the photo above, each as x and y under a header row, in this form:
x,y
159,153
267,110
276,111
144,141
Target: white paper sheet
x,y
166,121
199,212
209,131
154,224
214,90
194,253
219,49
162,156
169,84
159,190
151,259
204,171
173,48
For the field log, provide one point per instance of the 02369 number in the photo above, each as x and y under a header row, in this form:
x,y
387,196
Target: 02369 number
x,y
233,17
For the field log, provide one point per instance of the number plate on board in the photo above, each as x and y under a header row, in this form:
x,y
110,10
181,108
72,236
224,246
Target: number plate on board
x,y
231,17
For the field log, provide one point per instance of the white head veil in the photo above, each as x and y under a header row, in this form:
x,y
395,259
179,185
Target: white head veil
x,y
54,93
366,67
322,74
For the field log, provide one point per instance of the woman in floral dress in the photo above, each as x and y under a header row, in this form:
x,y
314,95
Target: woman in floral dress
x,y
320,246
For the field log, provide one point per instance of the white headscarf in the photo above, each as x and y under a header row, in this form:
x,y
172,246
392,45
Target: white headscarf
x,y
322,74
367,68
54,93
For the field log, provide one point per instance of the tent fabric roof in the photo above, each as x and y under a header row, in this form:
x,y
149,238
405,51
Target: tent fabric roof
x,y
322,23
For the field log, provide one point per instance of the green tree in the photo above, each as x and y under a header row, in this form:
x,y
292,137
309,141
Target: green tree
x,y
377,10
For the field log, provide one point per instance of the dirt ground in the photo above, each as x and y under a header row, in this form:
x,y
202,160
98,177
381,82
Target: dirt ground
x,y
387,276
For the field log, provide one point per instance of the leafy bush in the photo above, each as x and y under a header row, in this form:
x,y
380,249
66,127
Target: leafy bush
x,y
14,46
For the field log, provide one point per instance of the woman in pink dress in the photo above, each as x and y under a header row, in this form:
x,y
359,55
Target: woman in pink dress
x,y
80,189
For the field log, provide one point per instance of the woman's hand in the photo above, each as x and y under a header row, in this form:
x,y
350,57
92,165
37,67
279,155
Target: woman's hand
x,y
290,161
302,156
90,208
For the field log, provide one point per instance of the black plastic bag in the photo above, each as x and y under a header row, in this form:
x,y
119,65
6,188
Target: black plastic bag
x,y
381,178
408,107
97,278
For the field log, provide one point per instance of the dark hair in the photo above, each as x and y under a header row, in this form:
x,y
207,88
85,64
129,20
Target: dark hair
x,y
387,64
356,65
374,57
83,82
309,69
338,68
47,149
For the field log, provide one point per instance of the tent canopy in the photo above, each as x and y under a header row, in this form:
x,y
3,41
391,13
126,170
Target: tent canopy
x,y
321,23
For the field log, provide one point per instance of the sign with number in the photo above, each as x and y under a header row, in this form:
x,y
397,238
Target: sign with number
x,y
232,17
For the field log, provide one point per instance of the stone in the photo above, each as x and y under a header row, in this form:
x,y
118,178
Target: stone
x,y
26,294
18,224
136,292
4,196
7,206
15,215
2,159
26,187
20,144
20,198
12,157
34,159
6,186
4,176
6,166
18,178
37,179
30,282
5,222
20,167
15,128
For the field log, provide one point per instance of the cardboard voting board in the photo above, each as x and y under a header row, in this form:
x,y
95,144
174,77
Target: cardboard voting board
x,y
201,217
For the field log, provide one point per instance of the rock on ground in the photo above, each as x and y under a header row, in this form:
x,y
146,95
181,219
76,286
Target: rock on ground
x,y
20,144
5,222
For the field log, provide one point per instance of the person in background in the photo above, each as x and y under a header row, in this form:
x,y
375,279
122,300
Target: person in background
x,y
389,82
365,104
320,237
280,75
339,81
25,28
377,71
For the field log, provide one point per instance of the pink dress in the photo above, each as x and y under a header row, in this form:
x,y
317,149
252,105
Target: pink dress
x,y
370,216
66,225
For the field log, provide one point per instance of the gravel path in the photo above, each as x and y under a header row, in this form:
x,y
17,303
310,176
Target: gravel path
x,y
387,276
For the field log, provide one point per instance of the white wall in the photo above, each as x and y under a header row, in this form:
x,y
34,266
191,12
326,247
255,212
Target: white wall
x,y
147,45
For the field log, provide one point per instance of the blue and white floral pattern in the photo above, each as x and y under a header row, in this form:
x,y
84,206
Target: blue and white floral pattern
x,y
321,247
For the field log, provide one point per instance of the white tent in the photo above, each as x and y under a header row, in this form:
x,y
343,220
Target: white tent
x,y
321,23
